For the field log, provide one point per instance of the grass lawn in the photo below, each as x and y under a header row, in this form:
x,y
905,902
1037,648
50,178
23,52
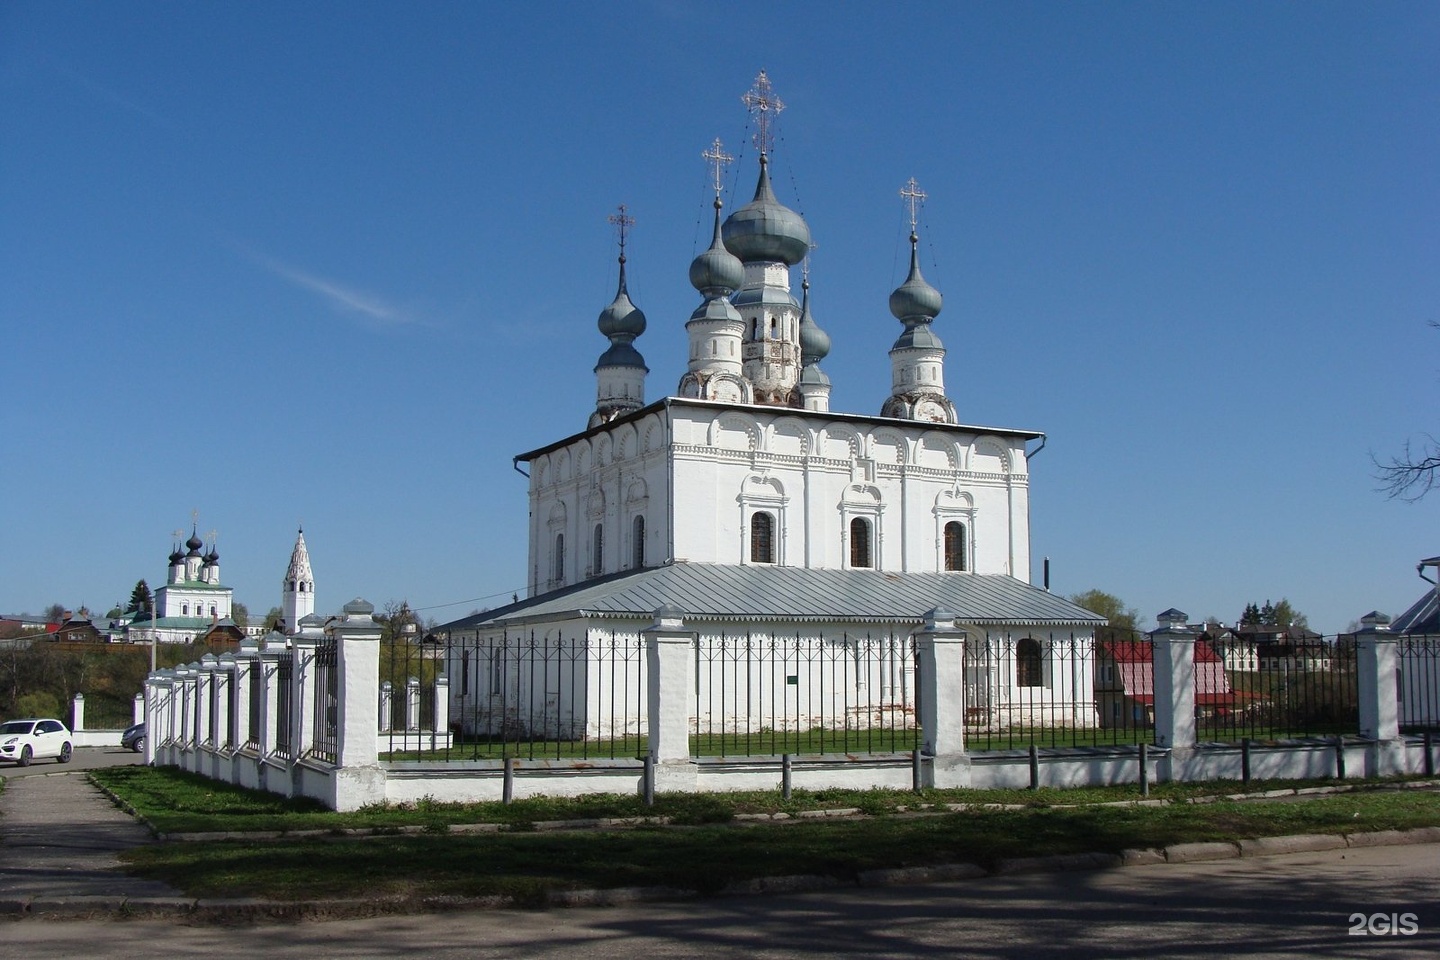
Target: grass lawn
x,y
177,802
706,858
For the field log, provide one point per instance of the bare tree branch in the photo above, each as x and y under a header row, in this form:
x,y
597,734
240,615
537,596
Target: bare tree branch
x,y
1411,474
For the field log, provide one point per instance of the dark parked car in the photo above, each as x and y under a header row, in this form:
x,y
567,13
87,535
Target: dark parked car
x,y
134,738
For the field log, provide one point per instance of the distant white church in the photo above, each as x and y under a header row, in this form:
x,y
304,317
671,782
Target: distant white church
x,y
194,603
748,505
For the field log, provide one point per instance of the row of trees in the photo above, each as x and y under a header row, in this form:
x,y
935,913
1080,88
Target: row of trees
x,y
1125,620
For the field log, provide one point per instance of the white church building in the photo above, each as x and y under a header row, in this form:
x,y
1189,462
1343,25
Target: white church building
x,y
745,505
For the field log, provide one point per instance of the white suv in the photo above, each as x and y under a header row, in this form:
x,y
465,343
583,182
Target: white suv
x,y
24,740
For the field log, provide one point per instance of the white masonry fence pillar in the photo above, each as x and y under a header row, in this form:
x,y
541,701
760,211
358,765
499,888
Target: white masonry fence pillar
x,y
1377,689
412,707
358,778
269,678
440,728
242,719
77,713
209,678
225,706
387,706
137,709
158,692
1173,652
670,695
940,698
302,697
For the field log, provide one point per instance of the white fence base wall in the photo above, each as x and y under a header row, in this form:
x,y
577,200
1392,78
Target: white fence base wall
x,y
483,780
96,738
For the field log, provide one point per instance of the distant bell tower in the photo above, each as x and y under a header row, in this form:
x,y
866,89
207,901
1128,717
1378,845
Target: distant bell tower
x,y
298,590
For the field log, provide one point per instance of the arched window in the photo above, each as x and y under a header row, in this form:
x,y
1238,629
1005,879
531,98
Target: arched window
x,y
762,538
1029,671
599,559
639,545
302,586
954,545
212,609
184,609
292,585
860,543
559,573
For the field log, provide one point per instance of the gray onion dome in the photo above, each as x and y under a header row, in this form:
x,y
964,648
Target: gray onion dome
x,y
766,229
814,342
915,301
716,272
622,319
194,543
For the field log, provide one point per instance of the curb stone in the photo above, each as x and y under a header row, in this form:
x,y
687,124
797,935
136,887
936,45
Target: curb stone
x,y
1141,858
1299,843
1058,863
1191,852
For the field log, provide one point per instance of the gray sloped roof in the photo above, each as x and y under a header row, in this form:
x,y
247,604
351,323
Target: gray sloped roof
x,y
1422,617
706,591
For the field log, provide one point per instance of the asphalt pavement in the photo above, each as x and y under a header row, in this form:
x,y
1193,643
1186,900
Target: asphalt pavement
x,y
83,758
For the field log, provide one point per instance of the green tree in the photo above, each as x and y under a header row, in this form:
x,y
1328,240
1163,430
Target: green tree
x,y
55,613
1287,616
272,618
141,597
240,614
1124,621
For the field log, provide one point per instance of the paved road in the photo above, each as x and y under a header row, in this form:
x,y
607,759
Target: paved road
x,y
84,758
1290,906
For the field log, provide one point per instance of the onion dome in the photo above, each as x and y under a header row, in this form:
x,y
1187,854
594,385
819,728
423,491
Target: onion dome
x,y
716,272
212,556
194,544
622,319
915,301
765,229
814,342
176,556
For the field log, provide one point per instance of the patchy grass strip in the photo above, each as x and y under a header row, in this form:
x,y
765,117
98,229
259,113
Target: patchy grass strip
x,y
528,867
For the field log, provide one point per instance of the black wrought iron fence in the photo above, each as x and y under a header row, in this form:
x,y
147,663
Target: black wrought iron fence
x,y
565,694
1418,693
1259,689
1053,689
256,669
284,698
326,705
766,694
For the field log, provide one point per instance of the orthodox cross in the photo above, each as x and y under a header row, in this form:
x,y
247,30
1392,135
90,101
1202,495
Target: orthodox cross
x,y
765,107
622,222
719,160
914,198
214,536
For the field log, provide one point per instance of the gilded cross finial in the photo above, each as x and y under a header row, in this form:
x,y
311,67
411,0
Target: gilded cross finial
x,y
719,160
915,199
765,107
622,223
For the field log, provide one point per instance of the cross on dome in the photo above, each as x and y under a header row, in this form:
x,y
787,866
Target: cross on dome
x,y
765,107
719,160
622,222
914,199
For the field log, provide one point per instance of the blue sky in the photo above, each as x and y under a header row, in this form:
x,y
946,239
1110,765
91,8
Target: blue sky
x,y
338,263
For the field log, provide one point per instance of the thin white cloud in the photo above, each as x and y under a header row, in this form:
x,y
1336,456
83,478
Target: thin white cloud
x,y
344,299
109,95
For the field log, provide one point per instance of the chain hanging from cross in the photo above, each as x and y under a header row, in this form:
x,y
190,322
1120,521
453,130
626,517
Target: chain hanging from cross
x,y
622,223
719,160
765,107
915,199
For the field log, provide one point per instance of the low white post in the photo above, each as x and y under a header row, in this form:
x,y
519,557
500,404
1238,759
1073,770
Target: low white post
x,y
1377,689
940,692
138,713
77,713
387,706
412,705
358,779
440,729
1173,650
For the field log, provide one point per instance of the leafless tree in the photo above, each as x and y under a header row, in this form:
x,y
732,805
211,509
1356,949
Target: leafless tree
x,y
1415,471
